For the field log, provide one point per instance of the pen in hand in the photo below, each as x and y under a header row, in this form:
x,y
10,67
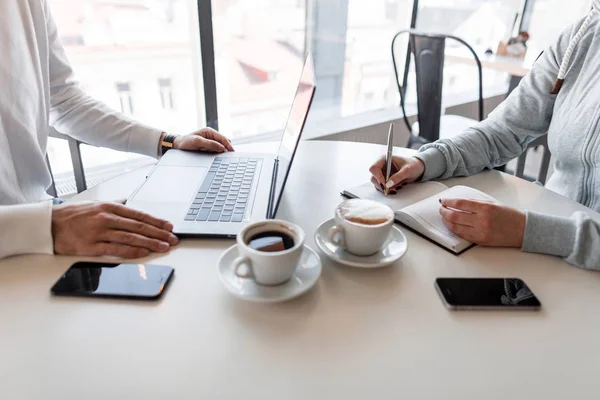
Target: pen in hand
x,y
388,159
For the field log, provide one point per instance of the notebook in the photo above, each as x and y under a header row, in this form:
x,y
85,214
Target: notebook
x,y
417,207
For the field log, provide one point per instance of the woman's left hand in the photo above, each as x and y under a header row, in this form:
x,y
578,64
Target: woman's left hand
x,y
484,223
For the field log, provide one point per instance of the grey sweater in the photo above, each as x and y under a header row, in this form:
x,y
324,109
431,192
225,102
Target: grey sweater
x,y
571,120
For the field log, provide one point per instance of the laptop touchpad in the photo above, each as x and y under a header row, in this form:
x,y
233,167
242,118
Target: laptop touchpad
x,y
172,185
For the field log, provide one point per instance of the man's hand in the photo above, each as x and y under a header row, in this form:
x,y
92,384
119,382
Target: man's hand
x,y
108,229
404,170
485,223
206,139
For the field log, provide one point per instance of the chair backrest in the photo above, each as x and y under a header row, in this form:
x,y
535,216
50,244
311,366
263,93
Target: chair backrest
x,y
429,53
542,141
429,66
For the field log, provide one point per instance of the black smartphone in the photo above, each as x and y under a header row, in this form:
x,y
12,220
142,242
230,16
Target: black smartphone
x,y
486,294
133,281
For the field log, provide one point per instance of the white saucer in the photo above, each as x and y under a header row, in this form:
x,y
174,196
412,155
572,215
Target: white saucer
x,y
306,275
394,248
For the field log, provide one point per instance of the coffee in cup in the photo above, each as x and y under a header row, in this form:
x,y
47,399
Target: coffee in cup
x,y
271,241
362,226
270,251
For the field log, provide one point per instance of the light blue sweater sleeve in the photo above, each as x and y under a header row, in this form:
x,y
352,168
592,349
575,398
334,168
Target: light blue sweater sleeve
x,y
504,135
576,239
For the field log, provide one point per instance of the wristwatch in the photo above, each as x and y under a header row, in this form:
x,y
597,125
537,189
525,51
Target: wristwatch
x,y
167,142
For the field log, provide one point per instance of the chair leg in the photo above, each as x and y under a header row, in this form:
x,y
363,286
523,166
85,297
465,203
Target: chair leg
x,y
520,171
77,165
52,189
514,82
544,166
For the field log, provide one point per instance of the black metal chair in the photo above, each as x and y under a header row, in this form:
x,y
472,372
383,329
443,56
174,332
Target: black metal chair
x,y
428,50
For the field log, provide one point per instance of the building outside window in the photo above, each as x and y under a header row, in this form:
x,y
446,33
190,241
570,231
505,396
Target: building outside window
x,y
166,93
125,98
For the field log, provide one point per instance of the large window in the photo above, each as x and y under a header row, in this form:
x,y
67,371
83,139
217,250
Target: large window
x,y
141,57
260,44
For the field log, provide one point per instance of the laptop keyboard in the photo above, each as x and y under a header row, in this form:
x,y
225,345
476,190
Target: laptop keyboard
x,y
225,191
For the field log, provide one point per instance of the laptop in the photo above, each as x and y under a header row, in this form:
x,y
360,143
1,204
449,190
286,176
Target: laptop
x,y
217,195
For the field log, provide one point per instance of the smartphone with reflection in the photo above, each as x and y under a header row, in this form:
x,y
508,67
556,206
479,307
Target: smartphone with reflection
x,y
486,294
117,280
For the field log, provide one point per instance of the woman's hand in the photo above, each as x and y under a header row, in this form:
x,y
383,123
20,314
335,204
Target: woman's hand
x,y
206,139
404,170
484,223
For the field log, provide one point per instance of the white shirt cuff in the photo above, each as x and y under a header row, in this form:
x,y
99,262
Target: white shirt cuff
x,y
26,229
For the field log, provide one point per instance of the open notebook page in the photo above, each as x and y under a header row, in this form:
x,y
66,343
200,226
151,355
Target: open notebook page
x,y
406,196
427,214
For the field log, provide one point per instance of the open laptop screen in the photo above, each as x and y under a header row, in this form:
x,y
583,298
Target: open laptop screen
x,y
293,129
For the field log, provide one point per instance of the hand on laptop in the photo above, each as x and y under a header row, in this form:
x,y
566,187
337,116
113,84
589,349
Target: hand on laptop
x,y
404,170
206,139
108,229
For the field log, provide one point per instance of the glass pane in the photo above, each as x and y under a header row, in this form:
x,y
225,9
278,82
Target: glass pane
x,y
259,53
141,57
551,17
369,82
483,24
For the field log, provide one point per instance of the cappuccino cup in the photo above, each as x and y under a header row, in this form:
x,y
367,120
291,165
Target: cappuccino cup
x,y
270,251
361,226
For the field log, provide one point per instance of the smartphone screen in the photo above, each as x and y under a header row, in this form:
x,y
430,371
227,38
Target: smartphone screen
x,y
486,293
113,280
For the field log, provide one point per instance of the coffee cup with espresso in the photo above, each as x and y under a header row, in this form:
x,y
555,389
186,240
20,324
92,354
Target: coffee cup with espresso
x,y
270,251
362,226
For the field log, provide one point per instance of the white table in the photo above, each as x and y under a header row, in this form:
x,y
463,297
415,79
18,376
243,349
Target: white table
x,y
514,66
358,334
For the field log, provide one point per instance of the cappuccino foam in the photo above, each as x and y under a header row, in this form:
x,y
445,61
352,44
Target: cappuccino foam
x,y
366,212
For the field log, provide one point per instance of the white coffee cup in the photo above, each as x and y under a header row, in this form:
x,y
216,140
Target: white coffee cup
x,y
268,268
361,239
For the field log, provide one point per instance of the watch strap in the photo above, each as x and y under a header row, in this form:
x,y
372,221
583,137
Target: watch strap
x,y
167,142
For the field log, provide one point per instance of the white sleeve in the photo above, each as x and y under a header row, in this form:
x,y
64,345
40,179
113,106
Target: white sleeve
x,y
26,229
76,114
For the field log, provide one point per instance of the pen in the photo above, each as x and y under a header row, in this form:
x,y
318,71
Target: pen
x,y
388,159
